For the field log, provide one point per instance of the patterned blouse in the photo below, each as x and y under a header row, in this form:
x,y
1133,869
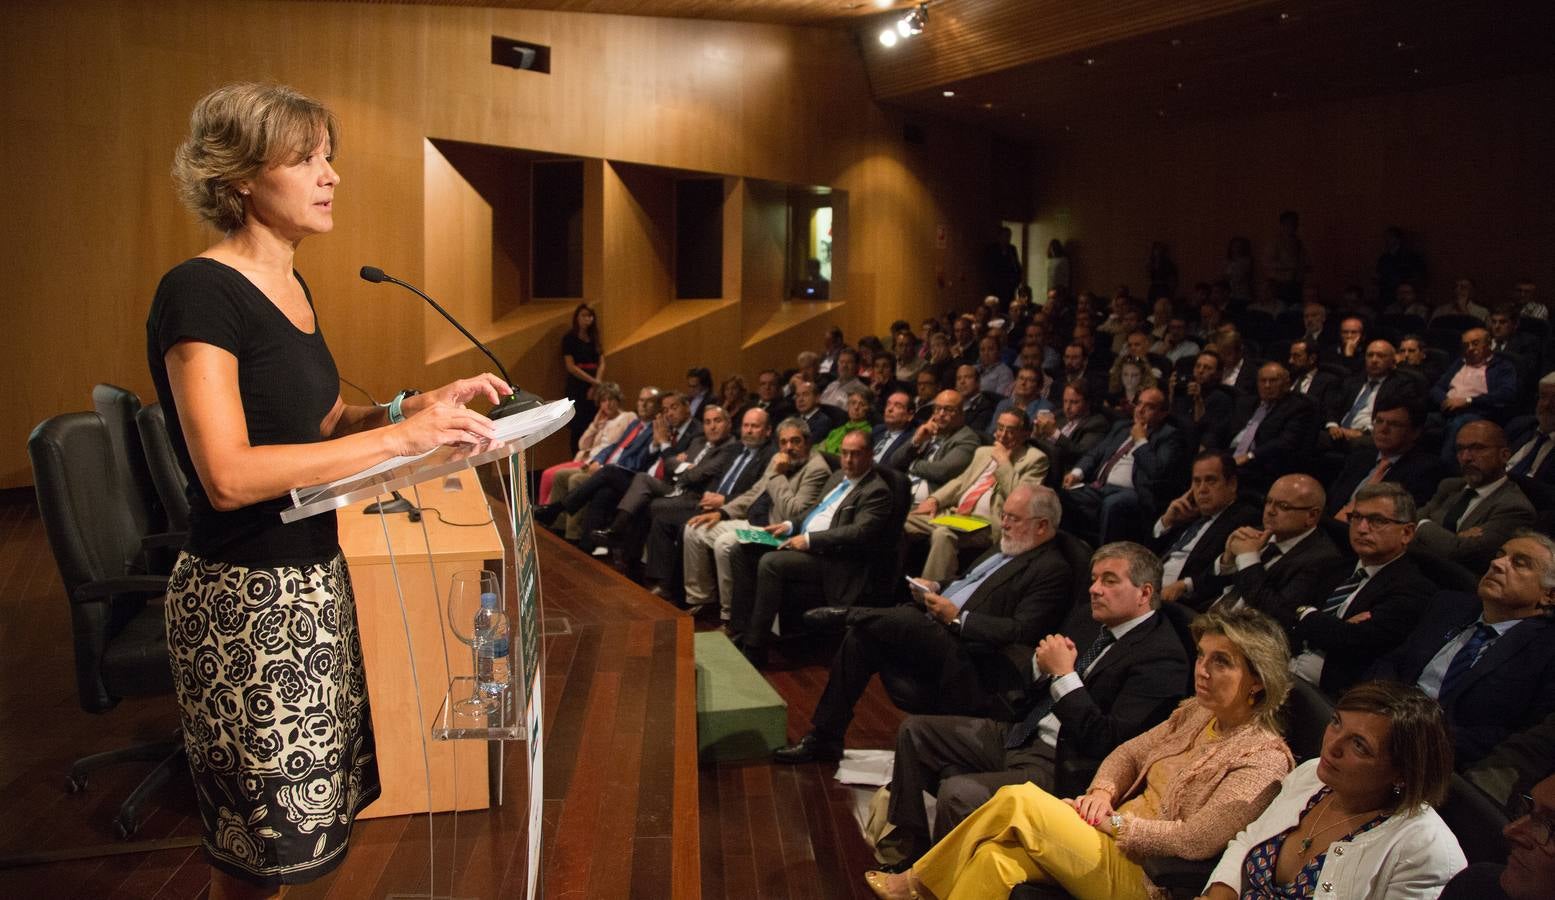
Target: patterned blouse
x,y
1258,867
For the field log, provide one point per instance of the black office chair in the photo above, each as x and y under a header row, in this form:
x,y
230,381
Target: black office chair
x,y
166,475
1476,821
120,642
118,407
1307,714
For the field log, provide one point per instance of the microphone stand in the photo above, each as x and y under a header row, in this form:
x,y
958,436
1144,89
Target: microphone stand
x,y
398,505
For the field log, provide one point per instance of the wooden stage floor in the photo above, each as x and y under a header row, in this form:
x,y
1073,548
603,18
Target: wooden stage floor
x,y
627,811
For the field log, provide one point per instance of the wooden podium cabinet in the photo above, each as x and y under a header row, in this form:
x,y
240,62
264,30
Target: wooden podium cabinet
x,y
399,726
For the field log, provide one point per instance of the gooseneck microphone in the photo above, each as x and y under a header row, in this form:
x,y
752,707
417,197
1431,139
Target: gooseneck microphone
x,y
516,402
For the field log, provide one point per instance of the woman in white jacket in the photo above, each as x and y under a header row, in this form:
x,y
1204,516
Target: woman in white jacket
x,y
1358,821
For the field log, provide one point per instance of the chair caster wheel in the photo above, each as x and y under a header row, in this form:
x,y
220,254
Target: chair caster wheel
x,y
125,830
75,784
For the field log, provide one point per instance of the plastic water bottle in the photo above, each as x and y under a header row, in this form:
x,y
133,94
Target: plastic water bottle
x,y
491,647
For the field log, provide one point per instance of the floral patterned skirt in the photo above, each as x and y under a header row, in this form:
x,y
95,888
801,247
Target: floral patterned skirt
x,y
273,699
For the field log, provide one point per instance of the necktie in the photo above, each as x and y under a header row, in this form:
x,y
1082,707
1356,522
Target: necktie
x,y
1020,734
1343,591
1525,465
1466,658
614,453
980,487
1184,539
1244,440
1378,472
960,590
1269,554
1457,509
733,475
824,505
1123,450
1360,403
1068,428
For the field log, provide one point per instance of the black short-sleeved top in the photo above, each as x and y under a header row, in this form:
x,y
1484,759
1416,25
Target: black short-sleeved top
x,y
288,383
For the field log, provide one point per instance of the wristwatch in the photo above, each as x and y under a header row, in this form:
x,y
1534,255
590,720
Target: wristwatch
x,y
1117,825
395,413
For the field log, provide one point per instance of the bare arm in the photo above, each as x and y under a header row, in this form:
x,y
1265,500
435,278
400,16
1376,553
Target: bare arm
x,y
234,473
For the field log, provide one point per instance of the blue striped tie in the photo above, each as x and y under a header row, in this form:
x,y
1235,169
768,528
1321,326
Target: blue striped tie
x,y
1466,658
1020,734
1343,591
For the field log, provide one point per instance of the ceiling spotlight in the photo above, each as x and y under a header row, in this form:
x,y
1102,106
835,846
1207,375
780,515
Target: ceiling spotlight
x,y
910,25
947,93
884,4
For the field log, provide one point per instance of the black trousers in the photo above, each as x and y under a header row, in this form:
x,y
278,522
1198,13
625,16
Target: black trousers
x,y
668,517
596,498
962,762
763,578
923,666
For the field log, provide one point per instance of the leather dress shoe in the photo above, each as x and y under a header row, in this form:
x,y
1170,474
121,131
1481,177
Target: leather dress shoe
x,y
826,618
602,537
809,749
546,513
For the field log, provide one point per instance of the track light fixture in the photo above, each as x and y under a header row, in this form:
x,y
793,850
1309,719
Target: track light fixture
x,y
910,25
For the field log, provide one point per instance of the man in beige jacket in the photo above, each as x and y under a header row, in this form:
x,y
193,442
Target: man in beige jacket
x,y
978,491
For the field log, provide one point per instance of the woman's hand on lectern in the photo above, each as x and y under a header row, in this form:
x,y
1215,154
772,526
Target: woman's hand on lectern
x,y
437,425
458,393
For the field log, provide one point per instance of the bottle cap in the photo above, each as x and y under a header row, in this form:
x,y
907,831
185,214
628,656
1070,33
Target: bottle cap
x,y
488,600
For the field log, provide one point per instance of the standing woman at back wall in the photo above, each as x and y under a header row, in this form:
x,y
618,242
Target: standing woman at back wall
x,y
261,623
583,356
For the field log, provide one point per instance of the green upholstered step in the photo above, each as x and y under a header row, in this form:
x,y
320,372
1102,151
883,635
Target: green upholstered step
x,y
739,715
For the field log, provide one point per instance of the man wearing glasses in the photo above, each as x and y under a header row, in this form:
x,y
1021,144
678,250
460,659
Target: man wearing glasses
x,y
1530,867
1470,517
941,447
1372,609
1284,564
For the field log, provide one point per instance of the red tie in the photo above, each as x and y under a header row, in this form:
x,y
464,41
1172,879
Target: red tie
x,y
977,490
1106,469
624,442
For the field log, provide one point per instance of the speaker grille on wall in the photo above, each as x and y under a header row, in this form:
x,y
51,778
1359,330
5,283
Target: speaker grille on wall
x,y
520,54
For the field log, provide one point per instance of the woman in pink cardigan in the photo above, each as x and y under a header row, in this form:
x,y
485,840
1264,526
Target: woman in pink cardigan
x,y
1182,789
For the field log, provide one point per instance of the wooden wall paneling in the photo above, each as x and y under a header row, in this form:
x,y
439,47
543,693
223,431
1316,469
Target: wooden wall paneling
x,y
763,244
1458,168
639,247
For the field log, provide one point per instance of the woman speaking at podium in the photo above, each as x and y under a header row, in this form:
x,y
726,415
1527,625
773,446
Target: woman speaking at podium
x,y
260,618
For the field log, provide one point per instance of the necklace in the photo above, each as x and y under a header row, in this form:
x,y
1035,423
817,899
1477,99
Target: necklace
x,y
1306,842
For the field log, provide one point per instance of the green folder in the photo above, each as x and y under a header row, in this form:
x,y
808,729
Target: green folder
x,y
756,536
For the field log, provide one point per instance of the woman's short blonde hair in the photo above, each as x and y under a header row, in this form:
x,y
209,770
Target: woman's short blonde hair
x,y
1267,650
237,131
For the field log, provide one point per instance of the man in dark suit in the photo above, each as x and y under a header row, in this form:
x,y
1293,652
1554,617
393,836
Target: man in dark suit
x,y
1489,660
769,396
1284,564
883,381
1193,529
941,447
807,406
1201,406
1236,371
1077,367
1479,384
1349,419
1396,459
892,438
1067,439
1470,517
977,405
1308,380
826,551
1533,442
1372,610
1088,697
959,644
1272,433
1524,350
741,465
1118,487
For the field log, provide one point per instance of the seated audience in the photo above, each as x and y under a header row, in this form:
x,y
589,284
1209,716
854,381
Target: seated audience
x,y
959,643
1284,564
1193,529
1351,347
1182,789
1370,612
1396,457
1349,419
1414,360
1077,367
699,391
857,406
1512,769
941,447
892,438
1175,343
790,484
1479,384
1081,706
846,372
1026,394
882,379
825,555
1201,405
1272,432
1523,349
1130,377
769,395
925,389
978,491
1067,438
1385,765
1121,483
1525,292
692,495
734,398
1308,380
908,360
1531,442
808,409
1489,660
993,375
1235,371
1470,517
977,405
610,422
1406,302
629,451
1462,303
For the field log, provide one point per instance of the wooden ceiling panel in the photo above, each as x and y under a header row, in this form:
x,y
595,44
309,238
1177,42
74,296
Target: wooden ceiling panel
x,y
780,12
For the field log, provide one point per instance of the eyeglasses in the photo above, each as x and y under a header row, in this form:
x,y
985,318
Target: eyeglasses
x,y
1540,828
1374,521
946,409
1011,517
1282,506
